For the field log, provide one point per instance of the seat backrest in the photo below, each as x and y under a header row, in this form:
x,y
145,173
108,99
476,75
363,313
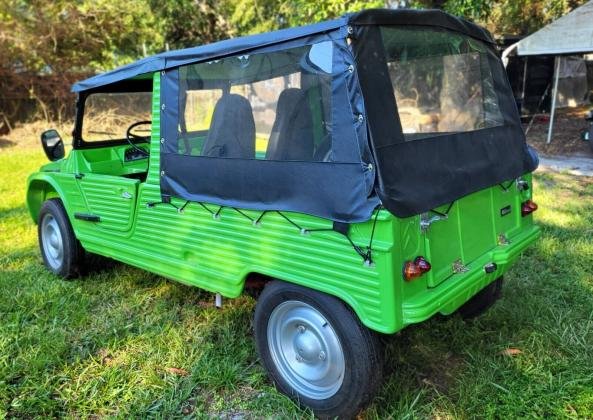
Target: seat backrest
x,y
232,130
292,133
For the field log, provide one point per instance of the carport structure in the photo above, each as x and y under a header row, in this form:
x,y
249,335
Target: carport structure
x,y
568,35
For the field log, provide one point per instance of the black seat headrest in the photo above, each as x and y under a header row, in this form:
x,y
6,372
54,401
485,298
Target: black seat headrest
x,y
232,130
292,133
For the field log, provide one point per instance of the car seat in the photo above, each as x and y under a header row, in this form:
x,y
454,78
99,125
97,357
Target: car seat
x,y
232,130
292,133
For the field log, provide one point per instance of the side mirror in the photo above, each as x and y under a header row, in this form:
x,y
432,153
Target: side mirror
x,y
53,146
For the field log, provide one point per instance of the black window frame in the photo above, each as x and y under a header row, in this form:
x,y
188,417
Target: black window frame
x,y
125,86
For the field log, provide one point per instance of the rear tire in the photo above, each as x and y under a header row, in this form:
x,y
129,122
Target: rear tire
x,y
61,252
481,302
316,351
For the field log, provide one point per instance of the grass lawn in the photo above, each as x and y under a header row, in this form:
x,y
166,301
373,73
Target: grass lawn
x,y
123,342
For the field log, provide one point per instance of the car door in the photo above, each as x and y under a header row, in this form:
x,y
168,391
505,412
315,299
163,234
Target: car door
x,y
111,199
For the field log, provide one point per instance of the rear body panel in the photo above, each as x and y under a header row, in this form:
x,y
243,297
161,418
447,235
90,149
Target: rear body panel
x,y
470,227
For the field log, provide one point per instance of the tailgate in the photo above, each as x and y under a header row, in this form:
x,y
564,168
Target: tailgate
x,y
455,235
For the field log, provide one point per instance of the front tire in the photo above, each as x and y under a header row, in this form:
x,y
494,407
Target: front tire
x,y
316,350
61,252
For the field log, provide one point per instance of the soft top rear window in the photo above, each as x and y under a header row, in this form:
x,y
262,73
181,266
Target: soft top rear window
x,y
441,80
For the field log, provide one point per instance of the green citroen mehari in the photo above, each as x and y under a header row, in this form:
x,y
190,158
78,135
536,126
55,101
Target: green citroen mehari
x,y
365,173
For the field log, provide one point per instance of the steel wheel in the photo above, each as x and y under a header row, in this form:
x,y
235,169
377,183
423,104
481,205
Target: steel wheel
x,y
316,350
53,244
306,350
62,253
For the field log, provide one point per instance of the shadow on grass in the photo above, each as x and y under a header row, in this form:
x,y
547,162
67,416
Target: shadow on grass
x,y
5,143
14,211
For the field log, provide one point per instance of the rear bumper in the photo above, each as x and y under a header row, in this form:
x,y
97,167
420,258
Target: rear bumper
x,y
458,289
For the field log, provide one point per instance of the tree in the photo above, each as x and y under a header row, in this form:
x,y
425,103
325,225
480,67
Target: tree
x,y
46,45
522,17
252,16
187,23
519,17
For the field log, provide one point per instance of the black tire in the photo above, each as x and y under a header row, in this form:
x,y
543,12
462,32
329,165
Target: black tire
x,y
361,349
69,265
482,301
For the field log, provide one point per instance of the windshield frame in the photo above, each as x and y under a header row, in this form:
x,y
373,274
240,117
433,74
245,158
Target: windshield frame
x,y
127,86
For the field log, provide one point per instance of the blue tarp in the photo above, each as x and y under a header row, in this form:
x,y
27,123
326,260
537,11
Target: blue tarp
x,y
171,59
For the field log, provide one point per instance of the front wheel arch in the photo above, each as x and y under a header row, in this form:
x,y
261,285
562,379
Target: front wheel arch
x,y
38,192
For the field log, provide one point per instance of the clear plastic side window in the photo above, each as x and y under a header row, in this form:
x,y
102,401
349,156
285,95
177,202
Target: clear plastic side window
x,y
272,106
442,82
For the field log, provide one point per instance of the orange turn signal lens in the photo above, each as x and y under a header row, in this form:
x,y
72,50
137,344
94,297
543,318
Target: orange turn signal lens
x,y
414,269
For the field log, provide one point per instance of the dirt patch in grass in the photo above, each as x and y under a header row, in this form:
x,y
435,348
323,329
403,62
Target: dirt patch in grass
x,y
27,135
566,139
442,376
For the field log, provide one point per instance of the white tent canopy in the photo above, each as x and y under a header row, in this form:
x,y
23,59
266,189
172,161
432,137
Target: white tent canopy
x,y
570,34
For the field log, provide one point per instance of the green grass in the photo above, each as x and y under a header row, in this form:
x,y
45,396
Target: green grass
x,y
103,345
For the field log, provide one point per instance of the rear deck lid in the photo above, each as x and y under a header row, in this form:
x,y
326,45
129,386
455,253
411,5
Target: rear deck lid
x,y
458,234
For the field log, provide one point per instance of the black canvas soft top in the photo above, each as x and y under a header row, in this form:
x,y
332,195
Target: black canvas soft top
x,y
371,160
176,58
414,17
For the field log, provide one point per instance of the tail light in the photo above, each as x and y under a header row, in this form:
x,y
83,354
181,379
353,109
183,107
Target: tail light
x,y
414,269
422,264
528,207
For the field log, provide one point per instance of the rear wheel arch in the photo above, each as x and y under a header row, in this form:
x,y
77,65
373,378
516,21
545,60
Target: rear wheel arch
x,y
255,281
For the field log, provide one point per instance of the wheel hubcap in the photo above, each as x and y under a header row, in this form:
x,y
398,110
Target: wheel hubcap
x,y
306,350
51,239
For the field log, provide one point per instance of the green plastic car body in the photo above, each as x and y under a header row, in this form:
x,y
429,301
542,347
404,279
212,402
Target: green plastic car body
x,y
331,283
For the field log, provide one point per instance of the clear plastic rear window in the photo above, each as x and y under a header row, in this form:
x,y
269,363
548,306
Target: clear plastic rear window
x,y
441,80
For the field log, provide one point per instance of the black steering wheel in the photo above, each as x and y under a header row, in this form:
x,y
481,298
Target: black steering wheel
x,y
135,138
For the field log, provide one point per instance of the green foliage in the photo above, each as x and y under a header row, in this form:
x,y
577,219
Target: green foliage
x,y
187,23
470,9
252,16
525,16
64,36
505,16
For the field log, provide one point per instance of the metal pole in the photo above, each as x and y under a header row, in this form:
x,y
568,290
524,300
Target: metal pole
x,y
554,94
524,85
